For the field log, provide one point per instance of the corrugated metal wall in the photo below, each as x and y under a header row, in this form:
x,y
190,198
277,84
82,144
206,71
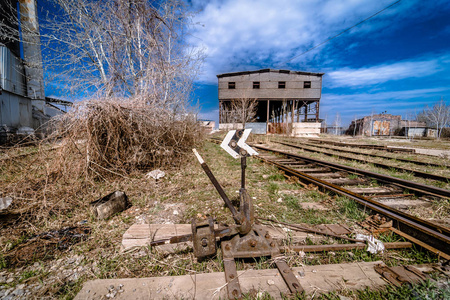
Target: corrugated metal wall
x,y
257,128
12,77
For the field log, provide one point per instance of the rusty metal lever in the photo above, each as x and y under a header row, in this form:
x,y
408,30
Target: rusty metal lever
x,y
236,216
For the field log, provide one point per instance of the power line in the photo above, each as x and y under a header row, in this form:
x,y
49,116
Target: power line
x,y
342,32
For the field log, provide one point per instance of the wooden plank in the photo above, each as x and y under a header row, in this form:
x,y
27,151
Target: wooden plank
x,y
377,191
314,279
327,175
344,181
312,170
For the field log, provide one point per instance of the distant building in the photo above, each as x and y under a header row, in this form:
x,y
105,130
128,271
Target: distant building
x,y
287,101
208,125
386,125
413,128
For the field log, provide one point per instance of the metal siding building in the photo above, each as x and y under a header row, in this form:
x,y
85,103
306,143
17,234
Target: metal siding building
x,y
22,95
283,97
15,108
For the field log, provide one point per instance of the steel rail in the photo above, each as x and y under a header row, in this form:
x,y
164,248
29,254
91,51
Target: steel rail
x,y
362,146
429,233
381,165
413,186
413,161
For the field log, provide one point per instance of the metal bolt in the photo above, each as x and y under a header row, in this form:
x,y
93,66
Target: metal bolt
x,y
243,152
285,271
231,276
204,242
267,236
235,293
227,247
252,243
272,244
233,144
295,285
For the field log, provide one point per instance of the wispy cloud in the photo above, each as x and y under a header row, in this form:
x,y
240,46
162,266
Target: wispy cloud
x,y
354,77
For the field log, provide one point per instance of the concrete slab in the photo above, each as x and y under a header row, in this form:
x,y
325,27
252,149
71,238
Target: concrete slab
x,y
314,280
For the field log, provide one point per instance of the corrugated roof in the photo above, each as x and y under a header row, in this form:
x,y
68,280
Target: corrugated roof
x,y
268,70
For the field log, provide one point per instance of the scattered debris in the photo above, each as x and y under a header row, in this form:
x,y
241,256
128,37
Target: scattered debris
x,y
45,244
373,245
155,174
109,205
376,224
5,202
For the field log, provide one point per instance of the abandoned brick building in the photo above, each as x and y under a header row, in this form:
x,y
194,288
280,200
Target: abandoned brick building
x,y
386,125
286,101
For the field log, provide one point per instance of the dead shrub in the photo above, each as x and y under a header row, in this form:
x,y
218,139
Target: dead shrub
x,y
112,136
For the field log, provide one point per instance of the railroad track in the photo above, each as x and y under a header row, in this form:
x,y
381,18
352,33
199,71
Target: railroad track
x,y
414,172
334,177
367,146
344,149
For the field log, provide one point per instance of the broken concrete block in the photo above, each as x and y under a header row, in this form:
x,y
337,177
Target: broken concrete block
x,y
109,205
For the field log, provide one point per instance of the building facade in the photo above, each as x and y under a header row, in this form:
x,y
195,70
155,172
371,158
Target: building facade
x,y
287,101
22,97
386,125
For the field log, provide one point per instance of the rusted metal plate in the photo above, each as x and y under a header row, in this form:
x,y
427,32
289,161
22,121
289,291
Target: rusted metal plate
x,y
231,277
338,229
203,238
335,228
289,277
400,274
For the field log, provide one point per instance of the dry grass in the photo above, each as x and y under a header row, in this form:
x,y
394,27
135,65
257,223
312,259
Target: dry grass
x,y
46,202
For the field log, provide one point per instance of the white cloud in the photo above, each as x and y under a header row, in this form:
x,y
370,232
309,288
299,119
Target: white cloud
x,y
210,115
350,77
249,34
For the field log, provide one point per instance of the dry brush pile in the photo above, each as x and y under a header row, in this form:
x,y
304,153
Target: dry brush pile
x,y
111,136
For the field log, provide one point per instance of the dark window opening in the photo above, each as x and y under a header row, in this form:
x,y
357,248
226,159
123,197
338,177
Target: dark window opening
x,y
281,84
256,84
307,84
231,85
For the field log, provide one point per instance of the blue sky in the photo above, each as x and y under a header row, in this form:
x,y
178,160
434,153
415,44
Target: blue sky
x,y
398,61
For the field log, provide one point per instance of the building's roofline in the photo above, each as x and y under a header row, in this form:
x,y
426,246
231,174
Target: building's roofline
x,y
268,70
58,101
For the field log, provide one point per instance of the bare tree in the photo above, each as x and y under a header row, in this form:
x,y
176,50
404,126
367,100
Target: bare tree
x,y
120,48
244,110
437,116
